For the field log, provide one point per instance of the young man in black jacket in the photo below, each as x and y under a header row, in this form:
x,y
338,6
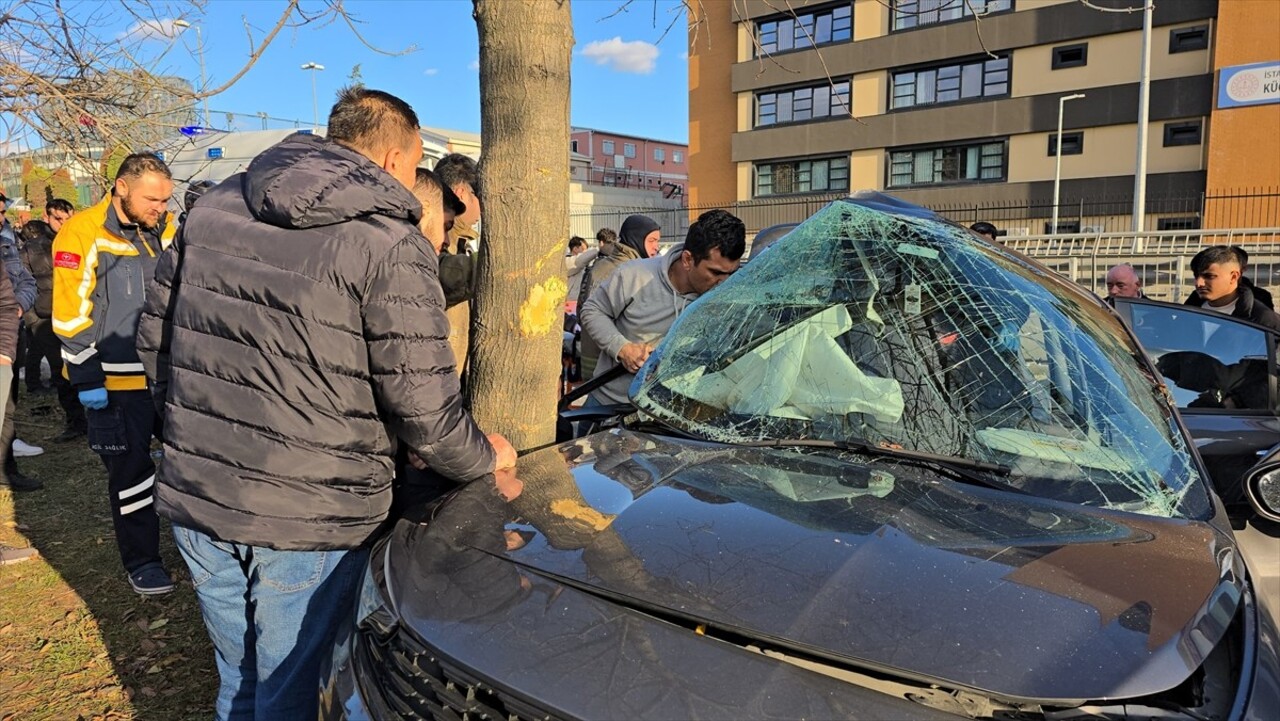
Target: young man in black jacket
x,y
1219,288
296,336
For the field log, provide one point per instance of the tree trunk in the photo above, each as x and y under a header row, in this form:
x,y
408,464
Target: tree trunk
x,y
516,316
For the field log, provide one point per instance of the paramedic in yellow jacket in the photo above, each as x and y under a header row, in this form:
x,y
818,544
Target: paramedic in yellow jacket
x,y
102,260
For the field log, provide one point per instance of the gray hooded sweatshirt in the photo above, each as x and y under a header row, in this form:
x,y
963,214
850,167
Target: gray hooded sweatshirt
x,y
636,304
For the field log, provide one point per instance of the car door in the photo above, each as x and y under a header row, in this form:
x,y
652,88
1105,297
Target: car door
x,y
1222,374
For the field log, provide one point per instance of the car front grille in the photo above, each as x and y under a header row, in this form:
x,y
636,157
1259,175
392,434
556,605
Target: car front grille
x,y
416,683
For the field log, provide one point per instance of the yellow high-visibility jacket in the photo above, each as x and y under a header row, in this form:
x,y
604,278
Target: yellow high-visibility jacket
x,y
100,271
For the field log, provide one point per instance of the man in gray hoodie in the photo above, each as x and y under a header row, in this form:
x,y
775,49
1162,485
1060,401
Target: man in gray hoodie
x,y
630,312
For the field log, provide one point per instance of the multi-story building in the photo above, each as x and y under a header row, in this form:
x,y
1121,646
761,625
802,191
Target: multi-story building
x,y
924,100
630,161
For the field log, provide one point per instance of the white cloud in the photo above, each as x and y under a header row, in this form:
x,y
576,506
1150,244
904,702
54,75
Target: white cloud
x,y
431,71
475,64
156,29
635,56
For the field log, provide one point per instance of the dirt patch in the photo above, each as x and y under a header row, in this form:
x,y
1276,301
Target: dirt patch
x,y
75,641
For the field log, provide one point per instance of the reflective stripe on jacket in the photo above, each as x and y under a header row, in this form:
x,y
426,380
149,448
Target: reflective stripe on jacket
x,y
99,286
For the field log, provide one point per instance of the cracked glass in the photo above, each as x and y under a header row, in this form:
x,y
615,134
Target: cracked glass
x,y
875,322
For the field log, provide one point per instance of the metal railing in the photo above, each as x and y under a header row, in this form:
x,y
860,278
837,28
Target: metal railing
x,y
1162,259
1253,207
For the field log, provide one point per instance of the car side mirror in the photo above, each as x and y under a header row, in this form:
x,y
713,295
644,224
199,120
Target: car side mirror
x,y
1263,489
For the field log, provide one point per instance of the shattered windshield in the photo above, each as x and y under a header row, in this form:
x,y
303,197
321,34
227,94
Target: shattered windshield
x,y
882,324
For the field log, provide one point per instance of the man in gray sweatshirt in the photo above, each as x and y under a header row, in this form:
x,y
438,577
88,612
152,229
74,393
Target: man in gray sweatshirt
x,y
630,312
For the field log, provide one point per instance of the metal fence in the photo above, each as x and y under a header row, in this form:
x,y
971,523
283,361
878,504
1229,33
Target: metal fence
x,y
1248,208
1162,259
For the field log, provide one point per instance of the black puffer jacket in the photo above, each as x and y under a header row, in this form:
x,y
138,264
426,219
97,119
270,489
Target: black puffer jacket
x,y
37,255
1247,308
295,330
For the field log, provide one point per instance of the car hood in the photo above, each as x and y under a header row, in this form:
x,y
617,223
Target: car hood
x,y
850,562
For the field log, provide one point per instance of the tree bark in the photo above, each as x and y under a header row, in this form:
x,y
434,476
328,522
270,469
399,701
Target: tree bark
x,y
516,318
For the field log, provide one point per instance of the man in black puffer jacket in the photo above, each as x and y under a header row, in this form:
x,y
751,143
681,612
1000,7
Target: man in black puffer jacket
x,y
295,334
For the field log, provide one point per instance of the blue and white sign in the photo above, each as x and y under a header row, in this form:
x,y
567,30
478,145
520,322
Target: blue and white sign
x,y
1253,84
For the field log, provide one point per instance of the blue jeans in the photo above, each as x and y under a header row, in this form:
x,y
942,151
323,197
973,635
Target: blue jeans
x,y
272,616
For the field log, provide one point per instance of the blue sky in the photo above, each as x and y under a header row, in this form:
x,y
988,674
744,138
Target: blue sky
x,y
627,81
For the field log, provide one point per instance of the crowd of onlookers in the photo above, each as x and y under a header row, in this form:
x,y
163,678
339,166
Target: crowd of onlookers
x,y
28,264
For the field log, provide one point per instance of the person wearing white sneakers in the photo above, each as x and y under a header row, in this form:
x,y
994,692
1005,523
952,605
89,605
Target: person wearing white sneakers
x,y
22,449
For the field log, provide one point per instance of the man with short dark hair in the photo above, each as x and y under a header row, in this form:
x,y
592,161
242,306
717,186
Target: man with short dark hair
x,y
605,236
37,254
296,337
457,272
1260,294
102,260
461,174
986,230
575,263
1218,288
633,309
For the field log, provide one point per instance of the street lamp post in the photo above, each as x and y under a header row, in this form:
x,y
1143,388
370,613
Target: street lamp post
x,y
315,106
1144,105
1057,170
200,52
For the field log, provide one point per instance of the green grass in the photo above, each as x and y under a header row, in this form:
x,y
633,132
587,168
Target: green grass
x,y
75,641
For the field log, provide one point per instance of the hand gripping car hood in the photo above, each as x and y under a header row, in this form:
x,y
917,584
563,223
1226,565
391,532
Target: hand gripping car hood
x,y
879,567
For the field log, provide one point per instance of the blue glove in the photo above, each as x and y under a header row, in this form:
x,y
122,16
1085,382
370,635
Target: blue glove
x,y
95,399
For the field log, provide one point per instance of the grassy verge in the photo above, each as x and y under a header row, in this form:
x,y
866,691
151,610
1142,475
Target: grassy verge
x,y
75,641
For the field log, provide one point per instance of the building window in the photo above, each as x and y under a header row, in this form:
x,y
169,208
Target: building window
x,y
805,30
951,83
1190,222
801,104
1184,133
660,155
677,156
979,162
824,175
606,147
1072,143
573,145
629,150
909,14
1070,56
1064,226
1182,40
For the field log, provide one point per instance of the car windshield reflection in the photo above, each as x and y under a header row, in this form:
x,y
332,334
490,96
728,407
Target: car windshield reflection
x,y
899,330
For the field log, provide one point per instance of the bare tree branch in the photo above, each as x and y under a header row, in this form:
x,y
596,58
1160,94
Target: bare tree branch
x,y
86,79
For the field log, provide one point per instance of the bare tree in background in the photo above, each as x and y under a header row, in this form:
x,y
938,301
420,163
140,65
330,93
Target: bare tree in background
x,y
87,79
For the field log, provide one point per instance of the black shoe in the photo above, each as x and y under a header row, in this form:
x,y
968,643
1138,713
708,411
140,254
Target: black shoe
x,y
20,482
70,433
151,580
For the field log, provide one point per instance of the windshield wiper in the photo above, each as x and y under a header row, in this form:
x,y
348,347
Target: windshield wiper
x,y
961,469
643,422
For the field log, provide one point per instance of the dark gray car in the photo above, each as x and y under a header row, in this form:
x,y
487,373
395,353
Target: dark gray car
x,y
886,471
